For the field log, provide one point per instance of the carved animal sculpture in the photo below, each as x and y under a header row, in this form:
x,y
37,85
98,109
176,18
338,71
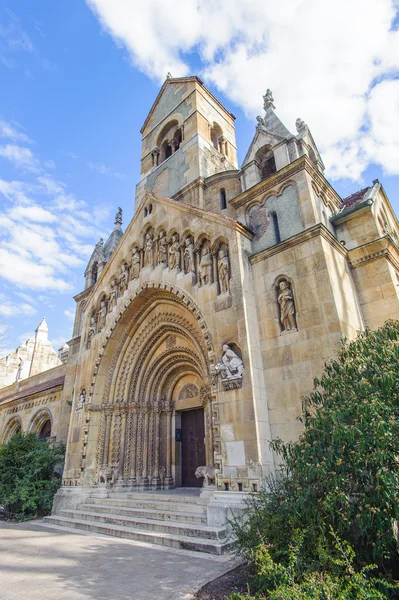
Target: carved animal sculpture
x,y
107,476
208,473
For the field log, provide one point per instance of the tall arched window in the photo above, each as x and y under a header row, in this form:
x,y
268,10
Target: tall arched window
x,y
265,161
216,137
223,200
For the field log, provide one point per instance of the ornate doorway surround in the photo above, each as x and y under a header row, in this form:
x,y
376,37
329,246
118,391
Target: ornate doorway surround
x,y
155,354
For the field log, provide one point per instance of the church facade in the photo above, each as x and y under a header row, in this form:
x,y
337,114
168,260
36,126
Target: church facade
x,y
202,325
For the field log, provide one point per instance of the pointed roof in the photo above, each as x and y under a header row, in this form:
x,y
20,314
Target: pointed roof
x,y
42,326
173,80
272,123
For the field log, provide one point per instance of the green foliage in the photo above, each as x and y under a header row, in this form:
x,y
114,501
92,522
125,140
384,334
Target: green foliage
x,y
27,480
275,581
342,474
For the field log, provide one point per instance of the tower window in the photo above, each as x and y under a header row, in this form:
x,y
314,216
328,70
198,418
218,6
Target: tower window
x,y
223,200
268,167
276,228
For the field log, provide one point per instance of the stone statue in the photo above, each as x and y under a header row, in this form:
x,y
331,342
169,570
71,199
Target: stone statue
x,y
118,216
205,267
261,122
135,269
208,473
82,400
102,314
113,296
19,370
174,252
224,271
149,250
123,279
189,266
100,243
268,99
300,125
162,249
92,330
231,366
287,306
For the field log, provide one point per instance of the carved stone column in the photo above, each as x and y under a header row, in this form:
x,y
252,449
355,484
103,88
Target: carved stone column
x,y
133,448
122,444
168,476
144,474
155,157
108,424
156,481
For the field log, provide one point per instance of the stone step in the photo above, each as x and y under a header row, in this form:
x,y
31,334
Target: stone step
x,y
161,496
152,537
138,502
144,513
159,526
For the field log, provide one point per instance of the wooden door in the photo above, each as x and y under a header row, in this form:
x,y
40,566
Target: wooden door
x,y
193,445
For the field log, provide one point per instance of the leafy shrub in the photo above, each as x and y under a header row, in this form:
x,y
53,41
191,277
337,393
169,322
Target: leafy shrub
x,y
27,479
342,474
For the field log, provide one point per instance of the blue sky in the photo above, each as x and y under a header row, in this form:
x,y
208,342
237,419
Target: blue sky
x,y
78,78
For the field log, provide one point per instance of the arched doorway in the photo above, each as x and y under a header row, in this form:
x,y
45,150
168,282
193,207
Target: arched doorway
x,y
13,426
41,424
143,405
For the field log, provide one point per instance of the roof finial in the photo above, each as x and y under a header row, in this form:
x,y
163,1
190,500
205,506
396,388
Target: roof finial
x,y
100,243
300,125
169,75
118,216
268,100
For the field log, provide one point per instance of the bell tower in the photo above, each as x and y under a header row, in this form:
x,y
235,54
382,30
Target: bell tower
x,y
187,136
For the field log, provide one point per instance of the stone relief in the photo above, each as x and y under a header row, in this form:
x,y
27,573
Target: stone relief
x,y
113,297
190,390
174,252
82,400
149,250
102,315
189,264
231,368
123,279
287,307
162,249
224,271
205,267
135,268
92,330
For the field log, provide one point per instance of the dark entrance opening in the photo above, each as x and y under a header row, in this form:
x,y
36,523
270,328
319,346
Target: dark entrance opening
x,y
193,445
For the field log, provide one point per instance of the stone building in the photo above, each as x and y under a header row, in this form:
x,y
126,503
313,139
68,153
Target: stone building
x,y
202,326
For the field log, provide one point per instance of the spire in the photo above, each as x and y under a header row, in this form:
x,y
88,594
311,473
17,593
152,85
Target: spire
x,y
271,122
41,332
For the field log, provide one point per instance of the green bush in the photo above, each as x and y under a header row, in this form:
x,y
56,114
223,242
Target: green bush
x,y
342,474
27,479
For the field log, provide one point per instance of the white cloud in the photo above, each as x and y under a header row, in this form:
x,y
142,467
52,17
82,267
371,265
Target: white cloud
x,y
326,62
21,157
9,131
104,170
49,164
11,309
70,313
33,213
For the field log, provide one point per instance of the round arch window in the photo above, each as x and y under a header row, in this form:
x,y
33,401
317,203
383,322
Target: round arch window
x,y
45,431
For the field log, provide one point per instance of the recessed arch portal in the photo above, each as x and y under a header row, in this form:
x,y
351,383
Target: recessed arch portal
x,y
158,341
13,426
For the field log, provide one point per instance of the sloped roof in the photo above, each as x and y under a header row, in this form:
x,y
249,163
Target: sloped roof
x,y
36,389
355,198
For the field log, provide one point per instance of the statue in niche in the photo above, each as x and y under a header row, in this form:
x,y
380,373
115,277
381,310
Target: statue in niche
x,y
287,306
174,252
82,399
162,249
123,279
189,266
149,250
224,271
135,270
102,315
113,296
92,330
205,267
231,366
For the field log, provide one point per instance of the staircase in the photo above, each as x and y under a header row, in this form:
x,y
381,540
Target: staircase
x,y
177,518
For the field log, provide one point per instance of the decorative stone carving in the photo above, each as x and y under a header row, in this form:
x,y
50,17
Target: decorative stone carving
x,y
118,216
19,370
113,296
135,268
107,476
230,369
268,100
92,330
162,249
171,341
149,250
189,265
261,122
100,243
174,252
208,473
205,267
102,315
300,125
123,279
223,270
82,400
287,307
190,390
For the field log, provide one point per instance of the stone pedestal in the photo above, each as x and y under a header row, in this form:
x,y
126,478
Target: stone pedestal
x,y
223,506
68,498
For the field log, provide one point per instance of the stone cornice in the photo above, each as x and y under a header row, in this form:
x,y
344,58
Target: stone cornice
x,y
302,163
82,295
318,230
383,247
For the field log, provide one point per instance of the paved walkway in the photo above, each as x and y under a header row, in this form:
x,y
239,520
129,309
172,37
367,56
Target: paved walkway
x,y
38,563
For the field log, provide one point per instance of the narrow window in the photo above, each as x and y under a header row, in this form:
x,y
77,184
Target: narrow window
x,y
168,151
276,228
223,200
